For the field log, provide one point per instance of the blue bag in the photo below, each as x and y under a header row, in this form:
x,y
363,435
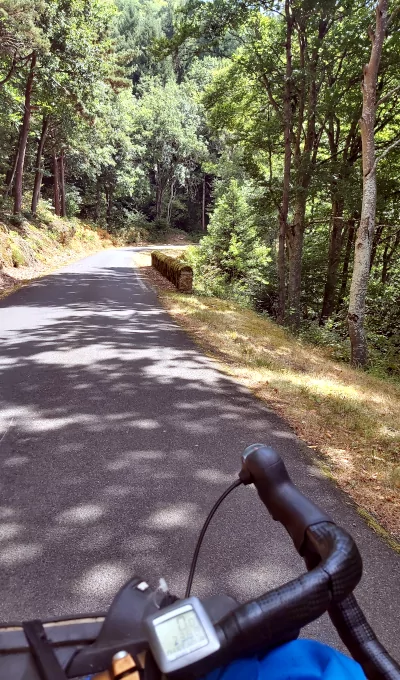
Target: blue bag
x,y
297,660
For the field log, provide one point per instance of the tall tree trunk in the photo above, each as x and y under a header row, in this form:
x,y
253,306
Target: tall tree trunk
x,y
62,184
171,198
351,229
56,185
39,170
385,265
284,209
159,200
304,161
375,244
365,234
13,167
23,140
98,198
203,206
295,238
109,199
335,249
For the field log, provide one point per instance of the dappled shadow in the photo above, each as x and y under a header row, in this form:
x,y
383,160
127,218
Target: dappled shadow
x,y
116,437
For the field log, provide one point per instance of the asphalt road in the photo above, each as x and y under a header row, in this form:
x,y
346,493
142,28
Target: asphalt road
x,y
117,435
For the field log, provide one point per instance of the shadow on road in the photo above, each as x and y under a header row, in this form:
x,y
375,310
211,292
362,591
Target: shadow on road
x,y
116,437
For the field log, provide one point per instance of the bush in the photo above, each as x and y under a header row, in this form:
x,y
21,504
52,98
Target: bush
x,y
65,234
73,201
131,226
332,335
17,256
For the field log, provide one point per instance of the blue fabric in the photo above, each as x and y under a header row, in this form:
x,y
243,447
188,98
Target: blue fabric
x,y
297,660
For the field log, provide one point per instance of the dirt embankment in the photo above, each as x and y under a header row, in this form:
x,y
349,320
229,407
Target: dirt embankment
x,y
31,247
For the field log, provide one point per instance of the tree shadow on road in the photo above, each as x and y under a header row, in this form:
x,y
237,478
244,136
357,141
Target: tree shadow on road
x,y
116,437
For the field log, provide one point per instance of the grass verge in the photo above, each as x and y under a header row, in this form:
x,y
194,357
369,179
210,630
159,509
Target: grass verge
x,y
348,416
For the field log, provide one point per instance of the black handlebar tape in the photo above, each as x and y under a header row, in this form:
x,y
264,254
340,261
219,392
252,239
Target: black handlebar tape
x,y
340,557
264,468
361,641
267,621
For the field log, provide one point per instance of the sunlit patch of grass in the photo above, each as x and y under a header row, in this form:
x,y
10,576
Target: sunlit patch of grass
x,y
351,417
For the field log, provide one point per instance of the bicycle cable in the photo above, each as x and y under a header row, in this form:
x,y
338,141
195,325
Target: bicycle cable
x,y
238,482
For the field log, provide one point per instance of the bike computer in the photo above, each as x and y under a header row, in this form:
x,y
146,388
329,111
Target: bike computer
x,y
181,634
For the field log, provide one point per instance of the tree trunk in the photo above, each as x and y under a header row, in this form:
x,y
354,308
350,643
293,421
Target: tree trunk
x,y
365,233
387,258
62,184
13,166
203,206
345,271
335,249
159,200
98,198
109,199
56,185
375,243
295,240
304,157
284,209
39,170
171,198
23,140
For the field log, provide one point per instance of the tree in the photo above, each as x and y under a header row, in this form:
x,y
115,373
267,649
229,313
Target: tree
x,y
168,121
23,138
233,252
365,232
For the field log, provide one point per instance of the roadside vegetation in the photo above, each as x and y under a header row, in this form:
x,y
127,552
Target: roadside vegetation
x,y
349,417
31,247
244,123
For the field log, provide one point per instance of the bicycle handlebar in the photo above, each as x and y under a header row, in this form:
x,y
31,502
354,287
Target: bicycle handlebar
x,y
335,568
264,468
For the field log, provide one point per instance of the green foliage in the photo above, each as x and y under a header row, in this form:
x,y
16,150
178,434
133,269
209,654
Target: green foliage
x,y
73,201
170,115
232,259
17,256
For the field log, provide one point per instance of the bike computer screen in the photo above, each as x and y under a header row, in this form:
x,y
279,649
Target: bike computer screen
x,y
181,634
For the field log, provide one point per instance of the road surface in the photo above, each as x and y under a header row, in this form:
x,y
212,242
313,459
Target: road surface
x,y
117,435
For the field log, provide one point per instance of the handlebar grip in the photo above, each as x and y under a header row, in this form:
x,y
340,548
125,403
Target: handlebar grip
x,y
263,467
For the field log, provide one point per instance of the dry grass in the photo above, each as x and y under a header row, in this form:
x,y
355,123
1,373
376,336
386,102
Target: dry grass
x,y
350,417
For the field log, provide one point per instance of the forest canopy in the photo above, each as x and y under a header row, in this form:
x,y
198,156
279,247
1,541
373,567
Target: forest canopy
x,y
268,129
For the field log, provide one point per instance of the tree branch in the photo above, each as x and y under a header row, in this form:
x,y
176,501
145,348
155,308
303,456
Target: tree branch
x,y
385,153
392,16
388,95
10,73
271,98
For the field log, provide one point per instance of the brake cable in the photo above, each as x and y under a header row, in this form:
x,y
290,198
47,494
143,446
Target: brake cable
x,y
226,493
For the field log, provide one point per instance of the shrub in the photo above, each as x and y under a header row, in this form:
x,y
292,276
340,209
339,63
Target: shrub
x,y
73,201
17,256
130,226
66,233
